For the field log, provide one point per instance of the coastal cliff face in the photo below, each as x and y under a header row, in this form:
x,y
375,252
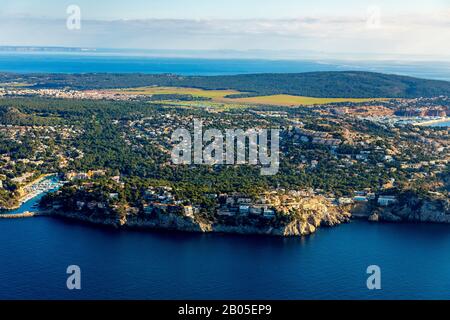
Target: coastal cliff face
x,y
299,216
415,210
304,219
170,222
309,214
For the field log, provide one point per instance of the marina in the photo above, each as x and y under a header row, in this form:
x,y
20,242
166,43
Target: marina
x,y
33,194
45,184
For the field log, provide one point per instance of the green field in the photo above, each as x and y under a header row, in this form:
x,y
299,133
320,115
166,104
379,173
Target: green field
x,y
219,96
14,84
289,100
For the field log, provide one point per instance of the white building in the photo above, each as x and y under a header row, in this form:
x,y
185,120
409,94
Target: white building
x,y
244,209
269,213
386,200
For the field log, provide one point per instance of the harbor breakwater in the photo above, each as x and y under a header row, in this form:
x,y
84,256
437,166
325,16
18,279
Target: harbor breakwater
x,y
26,214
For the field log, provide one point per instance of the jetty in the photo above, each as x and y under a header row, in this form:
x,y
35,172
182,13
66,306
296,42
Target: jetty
x,y
26,214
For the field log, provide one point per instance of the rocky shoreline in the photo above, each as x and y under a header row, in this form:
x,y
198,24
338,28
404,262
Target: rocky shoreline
x,y
305,218
299,227
415,210
294,228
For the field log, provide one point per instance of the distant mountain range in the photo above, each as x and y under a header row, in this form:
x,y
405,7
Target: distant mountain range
x,y
43,49
345,84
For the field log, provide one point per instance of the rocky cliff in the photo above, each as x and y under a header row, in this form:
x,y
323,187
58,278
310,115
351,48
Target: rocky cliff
x,y
415,209
308,214
301,219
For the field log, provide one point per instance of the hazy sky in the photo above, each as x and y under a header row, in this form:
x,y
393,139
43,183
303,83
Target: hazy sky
x,y
406,29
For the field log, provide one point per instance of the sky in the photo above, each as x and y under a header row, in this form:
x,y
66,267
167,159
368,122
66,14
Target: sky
x,y
364,29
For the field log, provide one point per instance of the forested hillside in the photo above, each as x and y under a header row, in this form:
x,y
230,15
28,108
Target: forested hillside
x,y
346,84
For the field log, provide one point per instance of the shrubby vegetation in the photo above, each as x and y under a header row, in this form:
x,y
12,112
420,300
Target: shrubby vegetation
x,y
347,84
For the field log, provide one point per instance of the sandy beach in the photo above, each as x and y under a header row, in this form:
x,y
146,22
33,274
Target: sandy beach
x,y
431,122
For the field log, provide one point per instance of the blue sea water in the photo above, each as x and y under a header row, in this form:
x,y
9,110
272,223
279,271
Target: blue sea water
x,y
117,264
149,264
99,62
86,63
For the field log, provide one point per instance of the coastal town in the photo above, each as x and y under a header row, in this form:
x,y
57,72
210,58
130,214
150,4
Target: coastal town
x,y
114,167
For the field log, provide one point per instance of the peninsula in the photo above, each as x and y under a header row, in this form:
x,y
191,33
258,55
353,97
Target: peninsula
x,y
342,153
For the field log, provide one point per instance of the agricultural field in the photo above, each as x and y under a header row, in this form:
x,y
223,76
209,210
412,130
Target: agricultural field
x,y
14,84
289,100
220,96
213,94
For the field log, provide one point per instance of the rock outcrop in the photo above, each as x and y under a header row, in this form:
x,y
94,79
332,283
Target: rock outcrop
x,y
309,213
418,210
374,217
301,218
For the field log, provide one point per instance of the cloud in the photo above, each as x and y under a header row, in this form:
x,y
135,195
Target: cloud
x,y
407,35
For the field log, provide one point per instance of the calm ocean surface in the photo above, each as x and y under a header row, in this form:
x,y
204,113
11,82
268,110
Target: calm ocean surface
x,y
98,62
331,264
85,63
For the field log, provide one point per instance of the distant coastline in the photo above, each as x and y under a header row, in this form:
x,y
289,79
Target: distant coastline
x,y
88,60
